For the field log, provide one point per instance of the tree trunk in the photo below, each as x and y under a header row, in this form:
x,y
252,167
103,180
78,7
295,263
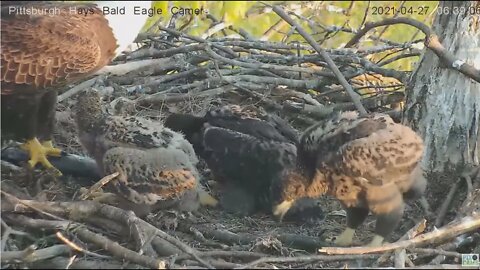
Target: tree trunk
x,y
443,105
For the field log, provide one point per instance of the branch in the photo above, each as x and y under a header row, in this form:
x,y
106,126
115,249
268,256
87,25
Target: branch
x,y
305,259
31,254
431,41
465,225
355,97
82,209
118,251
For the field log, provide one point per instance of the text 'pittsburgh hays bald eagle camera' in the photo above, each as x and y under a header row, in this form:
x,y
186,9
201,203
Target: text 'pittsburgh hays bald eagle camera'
x,y
48,50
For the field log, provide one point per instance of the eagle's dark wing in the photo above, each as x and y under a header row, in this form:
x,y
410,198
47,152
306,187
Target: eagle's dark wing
x,y
250,122
246,161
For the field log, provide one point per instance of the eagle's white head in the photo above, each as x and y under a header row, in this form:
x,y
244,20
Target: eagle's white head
x,y
125,26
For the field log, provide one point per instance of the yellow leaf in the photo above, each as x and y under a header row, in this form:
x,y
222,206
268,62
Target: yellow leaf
x,y
234,11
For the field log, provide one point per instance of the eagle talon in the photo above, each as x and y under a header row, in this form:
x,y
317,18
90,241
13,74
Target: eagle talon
x,y
50,150
38,154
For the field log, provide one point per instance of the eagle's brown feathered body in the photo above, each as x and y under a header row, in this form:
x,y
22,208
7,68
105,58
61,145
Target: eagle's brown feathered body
x,y
246,150
368,163
42,53
156,165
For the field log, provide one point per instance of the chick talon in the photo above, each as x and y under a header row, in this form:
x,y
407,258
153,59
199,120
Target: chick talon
x,y
345,238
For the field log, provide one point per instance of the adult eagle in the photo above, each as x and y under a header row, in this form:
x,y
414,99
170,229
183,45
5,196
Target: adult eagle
x,y
368,163
47,45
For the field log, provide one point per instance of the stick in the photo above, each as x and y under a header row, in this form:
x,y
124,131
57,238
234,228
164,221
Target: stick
x,y
118,251
444,208
61,262
31,254
432,251
431,41
75,247
354,96
105,180
465,225
304,259
401,255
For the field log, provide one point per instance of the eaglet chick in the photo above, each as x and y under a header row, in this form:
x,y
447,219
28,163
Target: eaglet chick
x,y
370,164
246,149
156,165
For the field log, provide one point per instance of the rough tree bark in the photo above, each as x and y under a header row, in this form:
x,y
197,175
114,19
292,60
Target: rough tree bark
x,y
443,104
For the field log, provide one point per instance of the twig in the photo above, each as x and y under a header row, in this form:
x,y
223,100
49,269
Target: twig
x,y
264,66
122,69
94,188
431,41
401,255
78,248
88,208
61,262
465,225
197,39
77,89
304,259
118,251
326,57
435,251
442,211
31,254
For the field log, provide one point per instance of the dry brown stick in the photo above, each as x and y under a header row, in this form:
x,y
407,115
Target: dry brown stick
x,y
88,208
442,211
454,229
129,217
22,205
355,97
31,254
264,65
201,40
118,251
401,254
6,232
304,259
431,41
114,248
76,247
102,182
